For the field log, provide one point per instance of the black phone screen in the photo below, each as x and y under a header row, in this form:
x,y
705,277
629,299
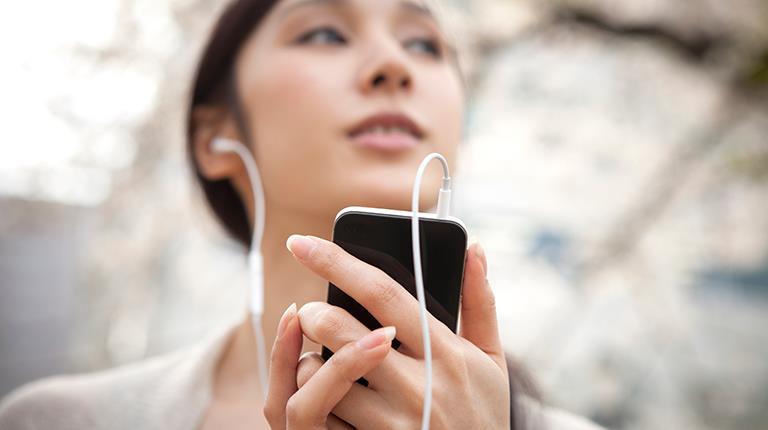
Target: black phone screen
x,y
384,241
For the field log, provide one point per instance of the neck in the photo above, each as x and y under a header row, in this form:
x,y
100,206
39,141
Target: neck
x,y
285,281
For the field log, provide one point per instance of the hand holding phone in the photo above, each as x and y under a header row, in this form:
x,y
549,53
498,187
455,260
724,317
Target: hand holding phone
x,y
382,238
471,389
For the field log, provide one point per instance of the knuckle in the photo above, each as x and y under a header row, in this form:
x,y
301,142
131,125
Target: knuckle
x,y
385,291
329,323
490,298
293,411
344,364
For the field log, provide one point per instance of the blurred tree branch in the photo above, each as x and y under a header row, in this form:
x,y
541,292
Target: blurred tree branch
x,y
746,92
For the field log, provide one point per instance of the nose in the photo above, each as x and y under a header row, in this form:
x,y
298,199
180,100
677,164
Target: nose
x,y
386,71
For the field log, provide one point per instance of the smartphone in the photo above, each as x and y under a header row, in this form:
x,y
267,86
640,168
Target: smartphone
x,y
382,238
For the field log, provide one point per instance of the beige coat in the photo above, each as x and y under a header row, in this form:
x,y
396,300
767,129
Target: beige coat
x,y
167,392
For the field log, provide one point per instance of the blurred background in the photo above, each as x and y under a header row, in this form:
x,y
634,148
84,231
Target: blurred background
x,y
615,168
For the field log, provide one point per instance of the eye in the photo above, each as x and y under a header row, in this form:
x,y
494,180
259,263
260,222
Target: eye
x,y
322,35
428,46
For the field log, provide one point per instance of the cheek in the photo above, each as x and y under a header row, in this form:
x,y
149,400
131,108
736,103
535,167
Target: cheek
x,y
445,105
291,122
288,102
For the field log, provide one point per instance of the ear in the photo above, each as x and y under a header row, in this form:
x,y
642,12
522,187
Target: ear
x,y
211,122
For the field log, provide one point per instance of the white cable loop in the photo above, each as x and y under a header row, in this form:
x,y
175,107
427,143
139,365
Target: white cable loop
x,y
255,260
256,264
443,211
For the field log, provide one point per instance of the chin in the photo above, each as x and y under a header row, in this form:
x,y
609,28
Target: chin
x,y
386,184
395,195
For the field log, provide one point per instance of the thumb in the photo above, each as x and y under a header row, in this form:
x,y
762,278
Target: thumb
x,y
478,306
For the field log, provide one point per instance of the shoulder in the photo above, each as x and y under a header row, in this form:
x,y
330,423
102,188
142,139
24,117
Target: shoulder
x,y
537,415
60,402
138,395
83,401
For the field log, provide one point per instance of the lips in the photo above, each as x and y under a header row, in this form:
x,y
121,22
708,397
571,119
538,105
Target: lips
x,y
388,131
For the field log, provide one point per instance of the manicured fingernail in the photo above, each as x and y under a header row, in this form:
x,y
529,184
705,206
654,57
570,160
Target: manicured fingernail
x,y
480,253
377,338
288,315
301,246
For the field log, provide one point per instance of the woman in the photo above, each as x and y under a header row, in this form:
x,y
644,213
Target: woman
x,y
339,100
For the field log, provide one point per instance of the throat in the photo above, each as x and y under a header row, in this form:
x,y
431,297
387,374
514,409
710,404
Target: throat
x,y
236,378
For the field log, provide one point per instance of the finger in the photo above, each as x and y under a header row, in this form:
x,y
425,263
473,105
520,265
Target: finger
x,y
282,367
478,306
334,327
336,423
359,407
384,298
313,403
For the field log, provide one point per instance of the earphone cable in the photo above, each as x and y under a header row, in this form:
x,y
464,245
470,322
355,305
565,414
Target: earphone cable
x,y
443,211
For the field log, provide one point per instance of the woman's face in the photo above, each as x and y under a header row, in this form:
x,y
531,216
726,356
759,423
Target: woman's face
x,y
315,71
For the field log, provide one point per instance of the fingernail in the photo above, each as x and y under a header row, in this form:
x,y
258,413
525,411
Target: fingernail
x,y
288,315
377,338
301,246
480,253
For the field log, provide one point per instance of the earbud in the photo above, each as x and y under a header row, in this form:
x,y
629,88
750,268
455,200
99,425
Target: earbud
x,y
223,144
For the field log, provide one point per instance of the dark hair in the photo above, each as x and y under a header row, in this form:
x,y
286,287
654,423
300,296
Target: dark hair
x,y
215,85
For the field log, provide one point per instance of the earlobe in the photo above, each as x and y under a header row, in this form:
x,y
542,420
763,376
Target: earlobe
x,y
213,165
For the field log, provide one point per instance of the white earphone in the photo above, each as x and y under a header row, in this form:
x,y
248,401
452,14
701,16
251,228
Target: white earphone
x,y
256,263
443,211
255,260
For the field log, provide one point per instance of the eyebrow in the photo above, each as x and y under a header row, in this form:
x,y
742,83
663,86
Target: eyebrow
x,y
410,6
